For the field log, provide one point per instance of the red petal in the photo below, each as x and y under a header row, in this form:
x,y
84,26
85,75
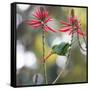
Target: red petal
x,y
65,23
37,16
78,21
80,32
48,19
38,13
46,14
37,26
63,26
31,22
79,24
65,30
43,14
34,23
75,27
50,29
71,19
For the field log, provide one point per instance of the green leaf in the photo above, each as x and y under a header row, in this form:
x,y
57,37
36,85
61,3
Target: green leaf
x,y
61,49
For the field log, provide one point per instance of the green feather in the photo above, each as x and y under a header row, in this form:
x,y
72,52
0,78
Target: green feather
x,y
61,49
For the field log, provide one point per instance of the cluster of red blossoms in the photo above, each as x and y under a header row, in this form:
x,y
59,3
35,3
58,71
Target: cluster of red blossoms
x,y
41,19
72,26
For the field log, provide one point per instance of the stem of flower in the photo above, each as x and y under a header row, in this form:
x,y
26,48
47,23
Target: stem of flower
x,y
45,73
44,64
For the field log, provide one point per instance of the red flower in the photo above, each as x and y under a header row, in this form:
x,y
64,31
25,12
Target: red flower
x,y
41,19
72,26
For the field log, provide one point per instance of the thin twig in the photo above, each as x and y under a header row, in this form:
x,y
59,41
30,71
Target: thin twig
x,y
58,77
80,43
83,37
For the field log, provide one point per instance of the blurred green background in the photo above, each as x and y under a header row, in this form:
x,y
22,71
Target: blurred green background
x,y
29,48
